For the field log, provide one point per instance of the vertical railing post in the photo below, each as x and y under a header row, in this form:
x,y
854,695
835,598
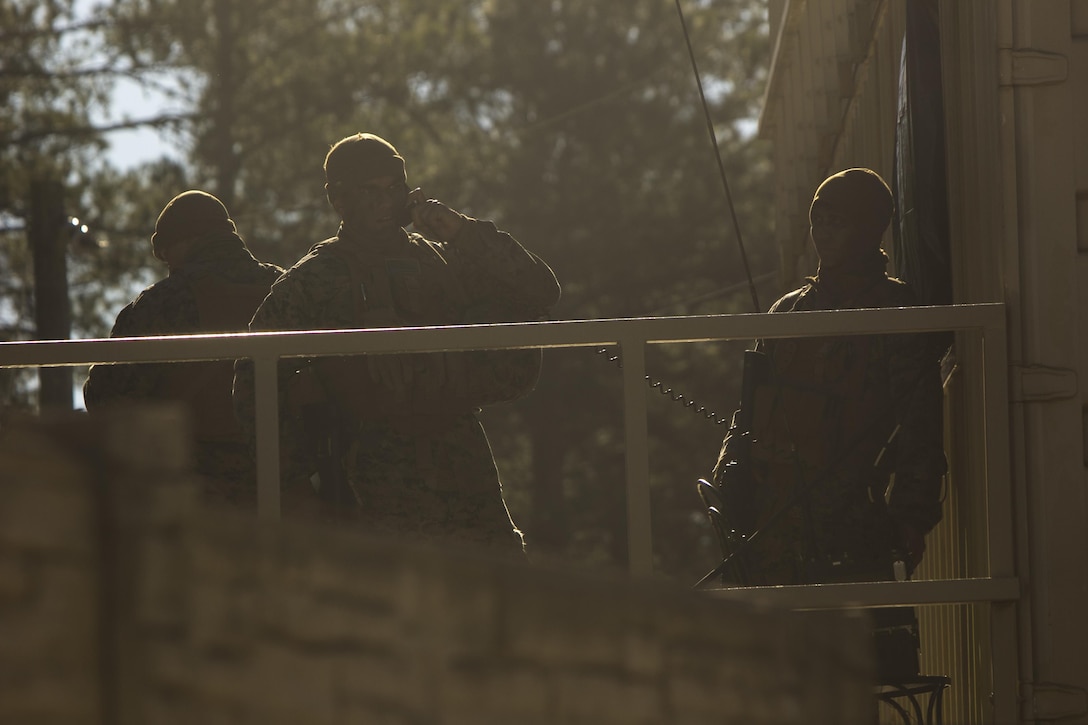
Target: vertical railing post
x,y
639,535
266,395
1000,522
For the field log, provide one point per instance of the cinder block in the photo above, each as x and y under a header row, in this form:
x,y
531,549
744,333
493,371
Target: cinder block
x,y
58,623
156,572
561,623
33,695
273,682
323,621
599,697
38,513
497,691
380,682
14,577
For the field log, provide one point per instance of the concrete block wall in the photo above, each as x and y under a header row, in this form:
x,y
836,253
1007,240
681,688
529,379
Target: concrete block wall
x,y
172,613
49,585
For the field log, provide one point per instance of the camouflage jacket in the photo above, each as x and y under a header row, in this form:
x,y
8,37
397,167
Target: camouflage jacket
x,y
838,420
416,461
217,290
482,276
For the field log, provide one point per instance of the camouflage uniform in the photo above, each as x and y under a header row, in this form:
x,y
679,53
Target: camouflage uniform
x,y
418,463
820,458
216,290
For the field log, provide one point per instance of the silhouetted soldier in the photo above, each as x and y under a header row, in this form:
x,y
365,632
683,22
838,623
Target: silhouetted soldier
x,y
841,471
214,285
394,440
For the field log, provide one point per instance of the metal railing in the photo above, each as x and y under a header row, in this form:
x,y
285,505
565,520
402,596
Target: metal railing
x,y
1001,588
630,335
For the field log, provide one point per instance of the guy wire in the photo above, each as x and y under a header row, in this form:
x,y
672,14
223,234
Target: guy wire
x,y
718,157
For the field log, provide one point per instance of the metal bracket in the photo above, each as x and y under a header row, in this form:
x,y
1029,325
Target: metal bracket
x,y
1033,383
1027,67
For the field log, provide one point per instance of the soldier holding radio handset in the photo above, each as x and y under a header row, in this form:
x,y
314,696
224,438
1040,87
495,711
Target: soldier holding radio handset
x,y
411,455
834,471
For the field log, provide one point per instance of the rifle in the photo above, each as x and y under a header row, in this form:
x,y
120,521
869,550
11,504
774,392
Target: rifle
x,y
730,500
741,485
734,479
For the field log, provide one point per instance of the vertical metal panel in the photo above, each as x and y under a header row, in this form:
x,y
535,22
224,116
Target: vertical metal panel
x,y
813,29
787,169
807,121
1000,527
947,637
1078,14
975,190
956,640
844,59
824,44
1047,135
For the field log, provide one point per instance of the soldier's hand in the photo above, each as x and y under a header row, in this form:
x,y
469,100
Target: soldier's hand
x,y
436,220
914,542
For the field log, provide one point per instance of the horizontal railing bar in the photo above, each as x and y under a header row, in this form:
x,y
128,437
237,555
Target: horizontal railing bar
x,y
566,333
877,594
266,347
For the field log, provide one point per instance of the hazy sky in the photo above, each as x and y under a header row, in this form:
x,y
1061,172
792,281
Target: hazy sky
x,y
131,102
129,148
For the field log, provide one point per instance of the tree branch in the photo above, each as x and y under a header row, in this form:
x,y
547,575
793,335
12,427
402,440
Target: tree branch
x,y
91,129
54,32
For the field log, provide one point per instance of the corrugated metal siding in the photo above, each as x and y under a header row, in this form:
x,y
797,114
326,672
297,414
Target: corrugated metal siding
x,y
950,644
827,107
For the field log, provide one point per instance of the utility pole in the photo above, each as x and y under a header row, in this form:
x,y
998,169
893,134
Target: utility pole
x,y
52,307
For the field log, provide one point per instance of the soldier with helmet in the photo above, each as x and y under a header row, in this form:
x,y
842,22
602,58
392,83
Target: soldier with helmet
x,y
392,442
841,469
214,285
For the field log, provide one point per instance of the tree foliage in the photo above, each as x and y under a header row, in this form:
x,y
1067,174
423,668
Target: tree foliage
x,y
55,79
575,124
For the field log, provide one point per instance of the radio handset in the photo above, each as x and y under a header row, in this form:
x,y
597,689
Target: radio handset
x,y
404,217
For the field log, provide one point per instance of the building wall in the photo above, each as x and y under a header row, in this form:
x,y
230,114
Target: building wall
x,y
50,577
827,107
122,600
1042,61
